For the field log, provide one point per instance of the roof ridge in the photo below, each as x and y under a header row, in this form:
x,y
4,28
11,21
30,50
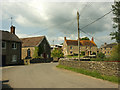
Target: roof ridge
x,y
32,37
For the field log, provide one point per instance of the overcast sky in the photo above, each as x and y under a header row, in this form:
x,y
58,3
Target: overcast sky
x,y
56,20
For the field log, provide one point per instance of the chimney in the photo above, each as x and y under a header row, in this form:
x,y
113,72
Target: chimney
x,y
12,29
92,39
105,44
64,38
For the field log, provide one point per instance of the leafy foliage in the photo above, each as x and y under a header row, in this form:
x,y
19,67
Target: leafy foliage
x,y
38,51
85,38
57,53
116,20
101,55
82,53
115,55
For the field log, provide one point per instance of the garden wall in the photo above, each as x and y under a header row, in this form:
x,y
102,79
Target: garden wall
x,y
105,68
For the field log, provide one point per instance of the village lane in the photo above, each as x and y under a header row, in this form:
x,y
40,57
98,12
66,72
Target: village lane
x,y
46,75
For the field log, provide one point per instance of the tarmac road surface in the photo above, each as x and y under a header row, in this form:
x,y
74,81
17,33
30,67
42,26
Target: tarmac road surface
x,y
46,75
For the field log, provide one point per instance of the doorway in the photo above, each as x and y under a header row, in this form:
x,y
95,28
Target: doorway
x,y
3,60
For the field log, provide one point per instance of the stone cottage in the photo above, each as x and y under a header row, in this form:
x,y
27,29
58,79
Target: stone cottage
x,y
70,47
35,45
107,48
11,47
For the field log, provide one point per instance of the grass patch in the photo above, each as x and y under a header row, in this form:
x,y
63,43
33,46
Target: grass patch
x,y
92,73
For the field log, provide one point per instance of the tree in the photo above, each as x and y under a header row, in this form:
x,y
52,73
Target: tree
x,y
116,20
114,55
101,55
85,38
57,53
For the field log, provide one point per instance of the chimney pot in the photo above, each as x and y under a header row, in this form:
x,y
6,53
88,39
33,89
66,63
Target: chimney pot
x,y
92,39
12,29
64,38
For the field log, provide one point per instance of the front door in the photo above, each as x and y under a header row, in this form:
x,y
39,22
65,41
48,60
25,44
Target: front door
x,y
3,60
44,55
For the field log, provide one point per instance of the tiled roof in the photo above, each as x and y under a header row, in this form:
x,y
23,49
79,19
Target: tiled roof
x,y
9,36
82,42
31,41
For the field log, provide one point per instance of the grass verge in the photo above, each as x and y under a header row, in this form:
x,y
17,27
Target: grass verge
x,y
92,73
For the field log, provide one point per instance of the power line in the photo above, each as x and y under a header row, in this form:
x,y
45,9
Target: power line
x,y
72,21
96,20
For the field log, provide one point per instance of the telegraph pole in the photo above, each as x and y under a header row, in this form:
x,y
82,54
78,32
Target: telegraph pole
x,y
78,36
11,20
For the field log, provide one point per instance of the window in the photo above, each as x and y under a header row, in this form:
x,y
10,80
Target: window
x,y
105,52
105,48
41,55
14,58
14,46
70,47
3,45
71,52
28,52
47,56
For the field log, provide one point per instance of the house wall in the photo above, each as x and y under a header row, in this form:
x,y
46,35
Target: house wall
x,y
9,52
106,51
24,51
44,45
67,49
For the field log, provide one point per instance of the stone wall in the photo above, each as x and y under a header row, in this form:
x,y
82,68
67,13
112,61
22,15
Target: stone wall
x,y
105,68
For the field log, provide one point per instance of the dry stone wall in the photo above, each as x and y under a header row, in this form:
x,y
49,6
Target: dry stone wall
x,y
105,68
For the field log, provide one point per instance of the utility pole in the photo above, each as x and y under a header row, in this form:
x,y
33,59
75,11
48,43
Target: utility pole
x,y
53,44
78,36
11,20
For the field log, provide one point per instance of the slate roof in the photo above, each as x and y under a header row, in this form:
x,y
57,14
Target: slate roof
x,y
109,45
7,36
82,42
31,41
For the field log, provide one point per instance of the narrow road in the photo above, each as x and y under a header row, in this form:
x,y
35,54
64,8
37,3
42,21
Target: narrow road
x,y
46,75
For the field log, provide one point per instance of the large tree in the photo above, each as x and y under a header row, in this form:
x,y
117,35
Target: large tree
x,y
116,20
116,25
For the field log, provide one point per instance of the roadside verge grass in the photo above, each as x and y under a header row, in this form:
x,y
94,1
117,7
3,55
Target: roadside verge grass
x,y
92,73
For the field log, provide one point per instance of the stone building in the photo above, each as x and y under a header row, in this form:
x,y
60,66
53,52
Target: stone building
x,y
11,47
70,47
29,45
107,48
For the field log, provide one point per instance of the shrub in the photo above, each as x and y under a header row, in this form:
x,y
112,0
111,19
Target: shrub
x,y
57,53
82,53
101,55
115,55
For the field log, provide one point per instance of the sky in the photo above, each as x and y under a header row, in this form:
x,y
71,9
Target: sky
x,y
57,20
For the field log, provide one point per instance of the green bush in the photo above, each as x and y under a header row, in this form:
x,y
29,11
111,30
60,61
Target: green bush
x,y
82,53
57,53
115,55
101,55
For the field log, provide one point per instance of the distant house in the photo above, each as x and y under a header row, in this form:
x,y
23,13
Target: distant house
x,y
56,46
11,47
70,47
31,45
107,48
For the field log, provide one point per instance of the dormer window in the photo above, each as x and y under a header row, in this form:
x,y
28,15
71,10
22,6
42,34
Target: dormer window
x,y
14,46
3,45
